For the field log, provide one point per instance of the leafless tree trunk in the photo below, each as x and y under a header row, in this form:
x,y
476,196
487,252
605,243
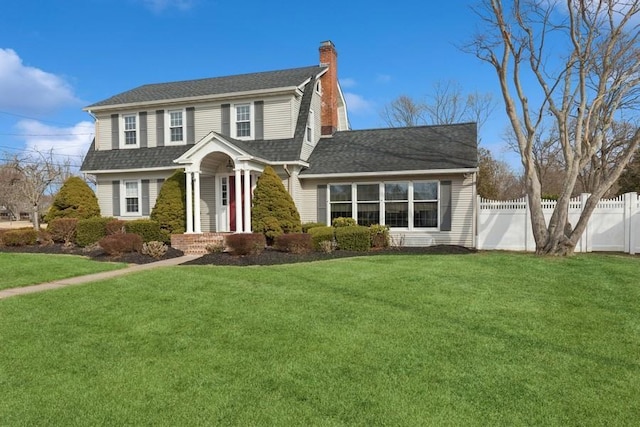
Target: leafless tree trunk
x,y
594,82
35,174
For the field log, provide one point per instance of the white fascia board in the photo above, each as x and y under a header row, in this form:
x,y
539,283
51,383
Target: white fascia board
x,y
112,171
172,101
389,173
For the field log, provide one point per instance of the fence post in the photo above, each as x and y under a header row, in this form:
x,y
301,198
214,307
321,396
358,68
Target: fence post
x,y
633,211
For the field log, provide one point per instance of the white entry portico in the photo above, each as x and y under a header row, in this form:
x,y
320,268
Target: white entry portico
x,y
217,162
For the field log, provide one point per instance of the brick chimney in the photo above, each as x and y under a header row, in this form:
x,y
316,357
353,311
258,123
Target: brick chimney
x,y
329,82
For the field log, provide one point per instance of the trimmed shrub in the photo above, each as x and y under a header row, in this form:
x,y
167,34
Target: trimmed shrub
x,y
309,225
215,248
326,246
356,238
74,200
344,222
321,234
115,226
245,243
295,243
63,230
117,244
273,212
154,249
20,237
170,208
148,229
379,236
90,231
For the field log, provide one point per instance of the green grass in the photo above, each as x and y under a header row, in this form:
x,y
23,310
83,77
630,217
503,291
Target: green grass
x,y
485,339
18,269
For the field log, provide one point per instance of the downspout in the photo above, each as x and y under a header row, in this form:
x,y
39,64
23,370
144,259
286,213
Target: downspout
x,y
289,181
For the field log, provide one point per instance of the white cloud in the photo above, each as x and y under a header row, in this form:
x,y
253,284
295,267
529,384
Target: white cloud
x,y
30,90
347,83
65,143
356,104
160,5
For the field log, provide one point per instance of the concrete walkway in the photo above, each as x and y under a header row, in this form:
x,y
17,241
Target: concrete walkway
x,y
79,280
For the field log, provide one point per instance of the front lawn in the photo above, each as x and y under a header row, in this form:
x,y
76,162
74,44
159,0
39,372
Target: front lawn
x,y
20,269
483,339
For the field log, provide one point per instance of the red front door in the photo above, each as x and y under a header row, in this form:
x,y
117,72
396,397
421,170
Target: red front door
x,y
232,202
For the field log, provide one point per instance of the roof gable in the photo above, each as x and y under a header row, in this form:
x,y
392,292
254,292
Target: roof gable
x,y
212,86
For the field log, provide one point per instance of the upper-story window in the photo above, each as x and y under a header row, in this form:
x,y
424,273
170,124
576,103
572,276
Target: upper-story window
x,y
310,126
130,122
243,120
319,87
176,128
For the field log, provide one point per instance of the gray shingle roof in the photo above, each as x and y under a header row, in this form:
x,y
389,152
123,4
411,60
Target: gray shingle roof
x,y
396,149
212,86
141,158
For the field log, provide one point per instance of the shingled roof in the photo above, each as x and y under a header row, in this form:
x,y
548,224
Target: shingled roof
x,y
140,158
397,149
213,86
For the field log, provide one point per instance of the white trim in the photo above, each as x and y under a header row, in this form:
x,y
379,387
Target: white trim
x,y
123,198
234,124
388,173
117,171
167,126
310,128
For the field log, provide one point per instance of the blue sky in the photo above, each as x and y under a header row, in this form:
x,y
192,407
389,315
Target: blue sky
x,y
59,56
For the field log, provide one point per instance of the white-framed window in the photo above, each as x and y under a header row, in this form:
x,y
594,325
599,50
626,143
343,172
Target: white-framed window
x,y
131,198
310,127
407,205
175,126
319,87
130,137
224,191
243,118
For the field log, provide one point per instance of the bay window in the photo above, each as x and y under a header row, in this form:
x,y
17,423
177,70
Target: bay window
x,y
368,204
340,200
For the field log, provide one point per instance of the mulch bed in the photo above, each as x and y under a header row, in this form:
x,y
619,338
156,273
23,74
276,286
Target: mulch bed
x,y
268,257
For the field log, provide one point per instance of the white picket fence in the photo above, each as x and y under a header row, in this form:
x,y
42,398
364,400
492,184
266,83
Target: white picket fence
x,y
614,224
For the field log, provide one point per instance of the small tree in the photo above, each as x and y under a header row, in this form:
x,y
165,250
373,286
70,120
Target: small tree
x,y
274,211
170,208
74,200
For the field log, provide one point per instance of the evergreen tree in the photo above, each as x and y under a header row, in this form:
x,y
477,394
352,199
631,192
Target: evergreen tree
x,y
274,212
170,208
74,200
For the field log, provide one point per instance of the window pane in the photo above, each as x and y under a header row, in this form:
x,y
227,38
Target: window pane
x,y
425,191
131,189
340,193
243,113
368,192
368,214
425,214
176,118
396,214
176,134
132,204
129,122
243,129
341,210
399,191
130,137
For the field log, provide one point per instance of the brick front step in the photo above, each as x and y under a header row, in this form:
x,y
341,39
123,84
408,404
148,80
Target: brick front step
x,y
196,243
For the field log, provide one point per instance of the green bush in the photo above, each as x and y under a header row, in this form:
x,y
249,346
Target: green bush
x,y
63,230
309,225
295,243
170,208
379,236
74,200
274,212
148,229
20,237
344,222
90,231
321,234
245,243
117,244
356,238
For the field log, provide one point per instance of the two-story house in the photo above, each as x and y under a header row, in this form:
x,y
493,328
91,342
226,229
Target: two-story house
x,y
223,131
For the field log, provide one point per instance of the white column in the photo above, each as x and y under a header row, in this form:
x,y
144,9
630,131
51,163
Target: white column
x,y
189,202
239,228
247,201
196,208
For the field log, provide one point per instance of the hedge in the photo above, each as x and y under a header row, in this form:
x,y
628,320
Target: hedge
x,y
356,238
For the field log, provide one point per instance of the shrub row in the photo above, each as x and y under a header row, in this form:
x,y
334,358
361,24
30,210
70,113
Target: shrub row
x,y
348,236
18,237
295,243
86,232
246,243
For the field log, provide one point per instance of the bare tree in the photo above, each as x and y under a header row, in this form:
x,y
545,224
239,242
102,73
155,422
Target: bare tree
x,y
9,197
594,82
448,104
403,111
496,180
35,175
